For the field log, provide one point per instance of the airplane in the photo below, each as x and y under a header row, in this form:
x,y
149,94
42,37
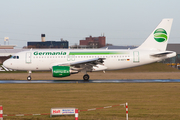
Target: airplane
x,y
64,62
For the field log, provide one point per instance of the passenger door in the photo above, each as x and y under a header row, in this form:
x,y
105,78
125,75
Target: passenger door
x,y
28,57
136,56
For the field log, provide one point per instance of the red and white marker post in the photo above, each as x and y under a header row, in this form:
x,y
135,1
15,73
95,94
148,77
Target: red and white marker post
x,y
76,114
126,111
1,112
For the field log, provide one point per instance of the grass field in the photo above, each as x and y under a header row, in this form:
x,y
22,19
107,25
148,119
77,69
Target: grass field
x,y
147,101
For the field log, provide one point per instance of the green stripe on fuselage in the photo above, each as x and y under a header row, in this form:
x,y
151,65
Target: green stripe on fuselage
x,y
96,53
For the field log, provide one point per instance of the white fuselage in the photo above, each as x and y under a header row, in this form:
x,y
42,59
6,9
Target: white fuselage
x,y
44,59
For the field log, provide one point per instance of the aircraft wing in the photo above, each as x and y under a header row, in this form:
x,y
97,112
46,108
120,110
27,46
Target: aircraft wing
x,y
85,65
162,54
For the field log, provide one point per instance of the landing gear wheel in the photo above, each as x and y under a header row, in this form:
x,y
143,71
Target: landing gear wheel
x,y
29,75
86,77
29,78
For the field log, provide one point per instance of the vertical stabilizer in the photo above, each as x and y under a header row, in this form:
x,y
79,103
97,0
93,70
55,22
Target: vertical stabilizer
x,y
158,39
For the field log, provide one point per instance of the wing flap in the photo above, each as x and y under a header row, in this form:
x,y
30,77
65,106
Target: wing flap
x,y
92,62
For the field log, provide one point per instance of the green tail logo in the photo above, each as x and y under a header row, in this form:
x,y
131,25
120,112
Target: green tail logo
x,y
160,35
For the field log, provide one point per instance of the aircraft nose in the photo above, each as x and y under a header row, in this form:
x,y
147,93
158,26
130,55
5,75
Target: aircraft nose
x,y
7,63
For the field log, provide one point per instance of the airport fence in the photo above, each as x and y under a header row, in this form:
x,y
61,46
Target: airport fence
x,y
76,118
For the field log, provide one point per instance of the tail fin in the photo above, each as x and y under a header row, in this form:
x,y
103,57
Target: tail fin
x,y
158,39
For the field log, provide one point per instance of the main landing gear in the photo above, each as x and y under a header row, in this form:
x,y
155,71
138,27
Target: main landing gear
x,y
29,76
86,77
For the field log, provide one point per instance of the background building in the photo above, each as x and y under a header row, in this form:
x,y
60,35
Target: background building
x,y
7,46
48,44
94,42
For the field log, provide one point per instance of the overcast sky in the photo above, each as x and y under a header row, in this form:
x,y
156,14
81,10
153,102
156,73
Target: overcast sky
x,y
123,22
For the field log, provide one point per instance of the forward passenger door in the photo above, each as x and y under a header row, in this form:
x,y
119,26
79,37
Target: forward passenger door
x,y
28,57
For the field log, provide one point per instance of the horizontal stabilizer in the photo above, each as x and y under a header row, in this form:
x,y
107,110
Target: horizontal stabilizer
x,y
162,54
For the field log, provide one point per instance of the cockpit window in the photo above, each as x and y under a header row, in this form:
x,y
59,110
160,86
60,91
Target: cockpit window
x,y
15,57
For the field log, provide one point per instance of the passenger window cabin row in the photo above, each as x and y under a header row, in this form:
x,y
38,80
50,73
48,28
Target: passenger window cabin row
x,y
81,56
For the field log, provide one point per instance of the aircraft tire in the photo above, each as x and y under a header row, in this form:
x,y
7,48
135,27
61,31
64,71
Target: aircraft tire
x,y
29,78
86,77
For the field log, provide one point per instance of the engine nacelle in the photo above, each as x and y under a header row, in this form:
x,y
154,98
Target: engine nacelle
x,y
62,71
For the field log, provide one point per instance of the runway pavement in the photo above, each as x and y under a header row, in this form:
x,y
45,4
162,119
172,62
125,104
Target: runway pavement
x,y
90,81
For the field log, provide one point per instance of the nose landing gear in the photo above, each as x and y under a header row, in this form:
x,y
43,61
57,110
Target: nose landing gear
x,y
29,76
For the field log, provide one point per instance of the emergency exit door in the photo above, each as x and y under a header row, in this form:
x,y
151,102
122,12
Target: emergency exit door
x,y
71,58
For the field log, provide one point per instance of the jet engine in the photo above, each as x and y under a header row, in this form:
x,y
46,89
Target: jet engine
x,y
62,71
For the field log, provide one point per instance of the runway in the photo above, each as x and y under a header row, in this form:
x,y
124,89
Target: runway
x,y
90,81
